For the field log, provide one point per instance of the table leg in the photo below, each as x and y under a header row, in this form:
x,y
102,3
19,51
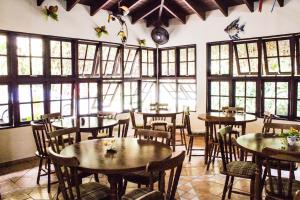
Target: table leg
x,y
208,128
78,137
242,155
113,182
258,180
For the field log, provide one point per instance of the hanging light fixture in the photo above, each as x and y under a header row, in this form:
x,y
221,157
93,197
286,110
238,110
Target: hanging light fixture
x,y
160,35
119,16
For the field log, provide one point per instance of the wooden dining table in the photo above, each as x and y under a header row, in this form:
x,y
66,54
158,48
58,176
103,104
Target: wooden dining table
x,y
91,124
255,143
131,155
212,118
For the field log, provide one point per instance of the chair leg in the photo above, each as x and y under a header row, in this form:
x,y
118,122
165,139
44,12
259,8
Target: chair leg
x,y
49,175
210,153
263,180
181,137
252,188
184,139
216,153
230,187
39,171
225,187
191,148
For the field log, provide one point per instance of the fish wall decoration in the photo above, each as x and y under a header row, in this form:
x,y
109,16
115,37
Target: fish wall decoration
x,y
51,11
234,29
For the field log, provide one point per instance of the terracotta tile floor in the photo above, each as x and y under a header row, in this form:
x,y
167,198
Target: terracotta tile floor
x,y
18,182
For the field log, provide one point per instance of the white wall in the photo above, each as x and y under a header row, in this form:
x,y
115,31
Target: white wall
x,y
25,16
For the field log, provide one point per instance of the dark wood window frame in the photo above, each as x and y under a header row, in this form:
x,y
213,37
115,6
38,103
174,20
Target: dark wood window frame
x,y
13,79
292,78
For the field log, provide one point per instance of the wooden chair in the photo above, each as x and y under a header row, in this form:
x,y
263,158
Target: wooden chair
x,y
180,125
191,135
159,107
48,118
268,117
142,177
66,169
278,187
40,138
136,126
57,146
162,122
123,125
175,166
232,168
270,130
228,109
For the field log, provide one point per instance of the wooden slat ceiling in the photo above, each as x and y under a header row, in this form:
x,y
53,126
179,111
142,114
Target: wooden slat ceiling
x,y
159,12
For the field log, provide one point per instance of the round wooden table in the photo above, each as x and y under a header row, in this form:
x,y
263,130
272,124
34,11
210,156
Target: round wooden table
x,y
212,118
255,145
131,155
86,124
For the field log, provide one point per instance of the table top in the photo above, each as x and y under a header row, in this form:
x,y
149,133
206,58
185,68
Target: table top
x,y
85,123
131,154
255,145
228,117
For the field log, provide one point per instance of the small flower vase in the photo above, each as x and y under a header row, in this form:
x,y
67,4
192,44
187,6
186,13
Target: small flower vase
x,y
291,140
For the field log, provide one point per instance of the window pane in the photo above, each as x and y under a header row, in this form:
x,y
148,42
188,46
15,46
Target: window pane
x,y
23,66
250,105
3,45
66,91
55,106
240,89
225,51
269,89
224,88
4,94
4,114
37,66
38,110
37,92
22,46
285,64
271,48
55,91
55,48
186,96
242,51
270,105
282,90
66,50
148,94
36,47
112,97
251,89
25,112
24,93
167,94
66,107
284,47
215,52
3,65
282,107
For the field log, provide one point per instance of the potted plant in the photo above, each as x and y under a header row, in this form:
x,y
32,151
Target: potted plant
x,y
291,136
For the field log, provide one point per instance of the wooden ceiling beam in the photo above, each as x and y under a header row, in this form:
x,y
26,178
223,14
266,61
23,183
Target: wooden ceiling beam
x,y
281,3
175,10
249,4
197,8
153,21
145,11
97,5
39,2
222,7
71,4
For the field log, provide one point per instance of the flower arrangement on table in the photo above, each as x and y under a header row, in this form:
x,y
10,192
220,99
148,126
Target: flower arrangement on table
x,y
291,136
110,145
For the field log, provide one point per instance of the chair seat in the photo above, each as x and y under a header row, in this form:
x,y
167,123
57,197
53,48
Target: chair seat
x,y
93,190
141,177
239,169
272,190
284,165
143,194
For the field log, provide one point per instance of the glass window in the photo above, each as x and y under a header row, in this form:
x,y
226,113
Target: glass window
x,y
219,59
88,98
147,62
187,95
245,95
246,58
298,99
219,95
131,62
111,61
130,95
4,105
3,55
112,99
168,62
30,56
168,94
61,58
61,98
278,59
148,94
187,61
87,67
31,101
276,98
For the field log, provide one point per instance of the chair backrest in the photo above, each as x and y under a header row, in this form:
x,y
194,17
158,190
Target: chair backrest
x,y
48,118
173,164
67,175
40,137
187,122
132,117
227,148
279,156
233,109
123,125
56,138
154,135
107,115
272,128
169,117
268,117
